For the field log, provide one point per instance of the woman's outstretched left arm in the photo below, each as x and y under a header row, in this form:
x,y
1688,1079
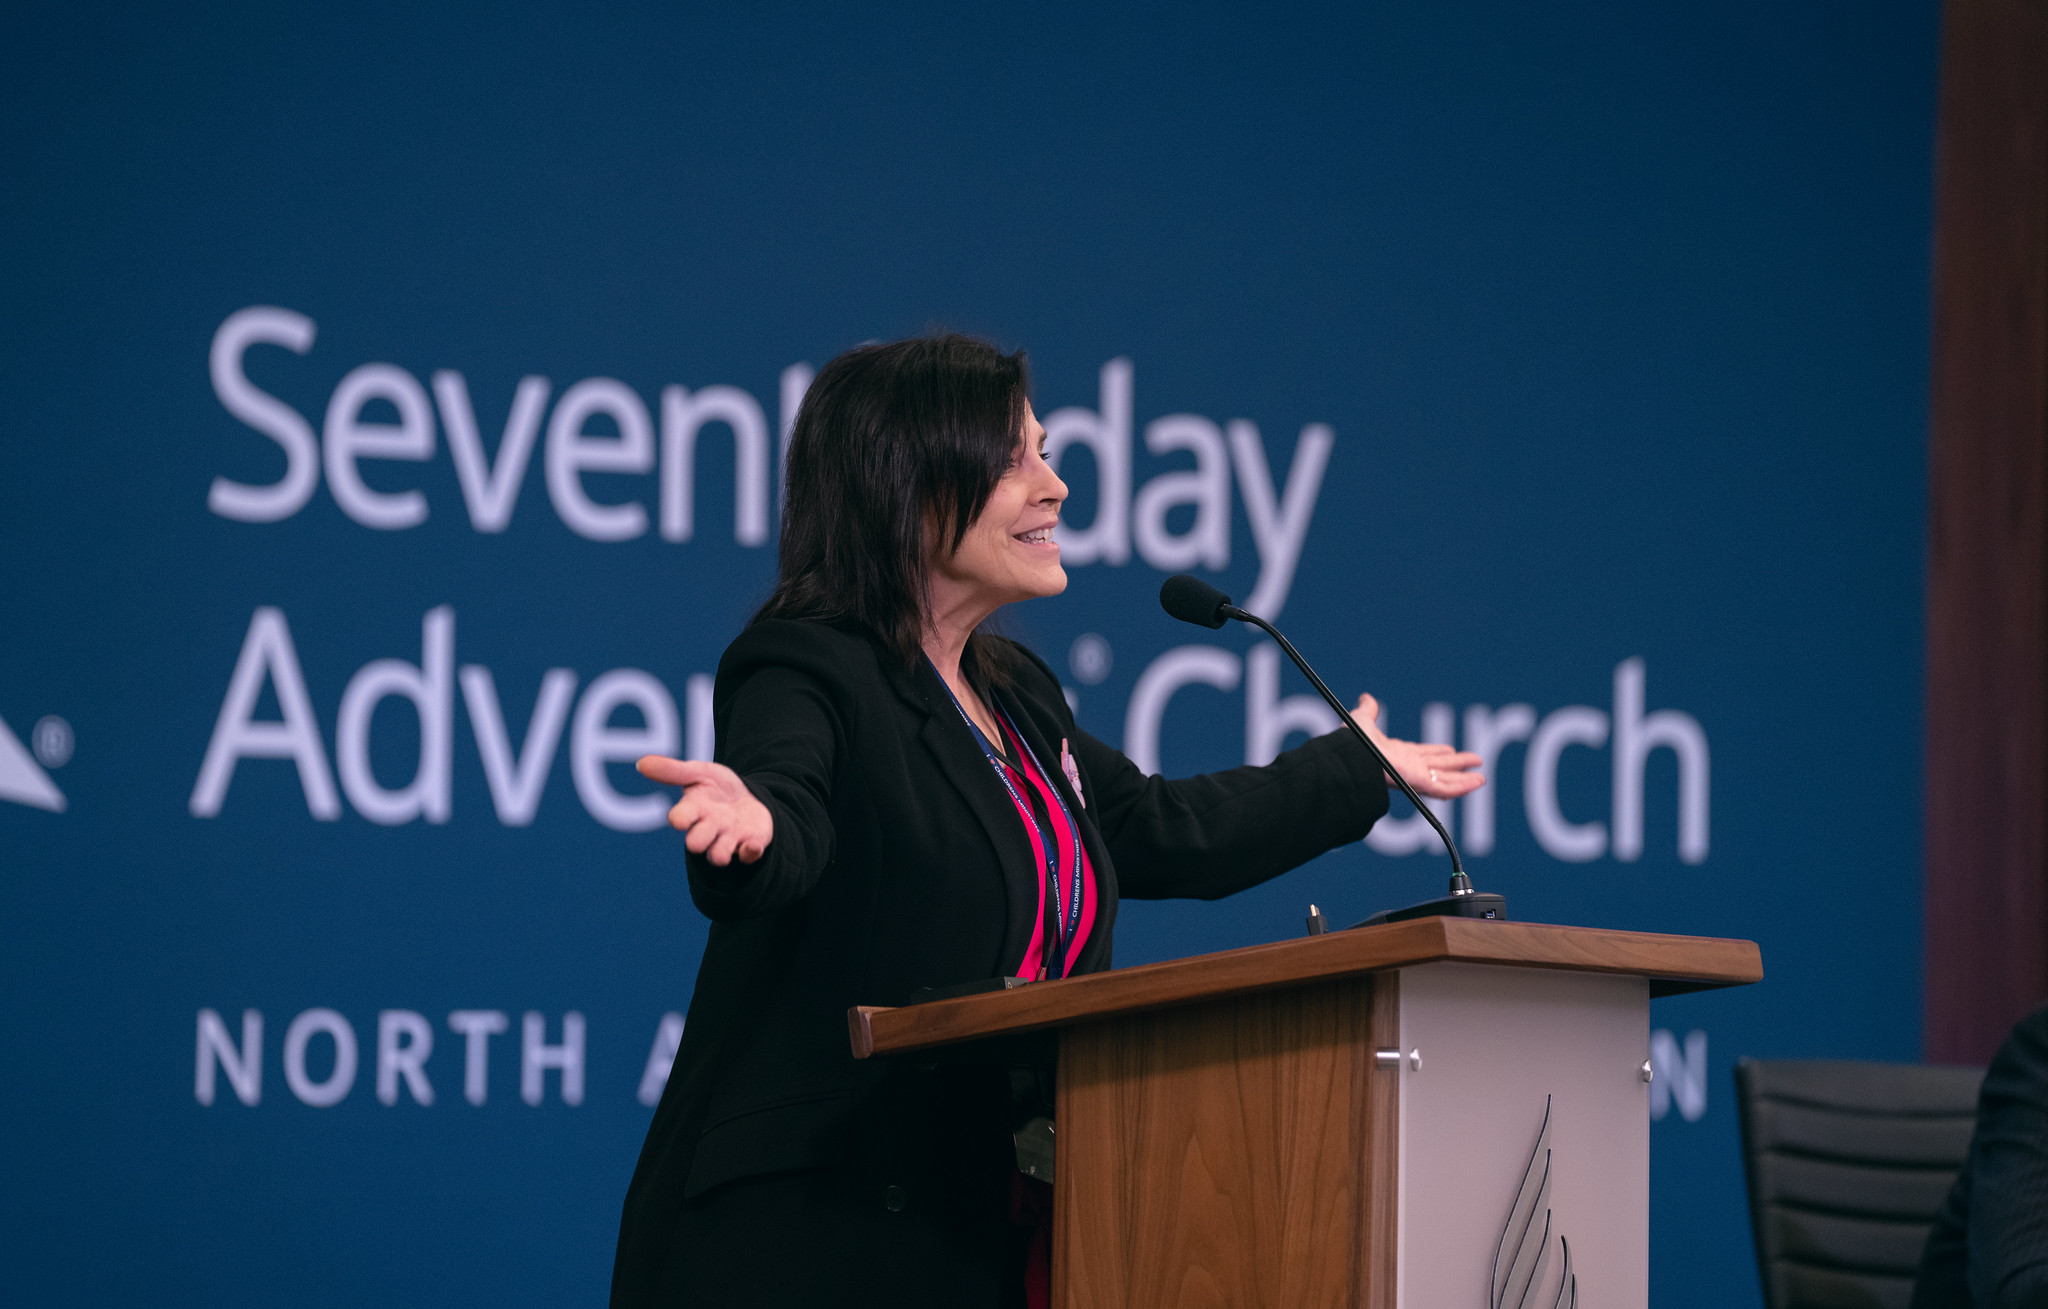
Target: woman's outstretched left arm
x,y
1441,772
1218,833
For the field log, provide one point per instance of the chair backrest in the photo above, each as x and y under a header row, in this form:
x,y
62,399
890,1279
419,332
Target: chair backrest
x,y
1848,1164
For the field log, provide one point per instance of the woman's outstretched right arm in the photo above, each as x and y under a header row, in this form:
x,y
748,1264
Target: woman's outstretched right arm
x,y
718,816
756,823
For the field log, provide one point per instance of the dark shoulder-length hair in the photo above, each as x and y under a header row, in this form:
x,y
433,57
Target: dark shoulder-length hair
x,y
897,448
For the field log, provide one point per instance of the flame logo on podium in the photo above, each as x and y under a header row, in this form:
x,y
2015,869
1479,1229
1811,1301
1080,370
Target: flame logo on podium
x,y
1521,1259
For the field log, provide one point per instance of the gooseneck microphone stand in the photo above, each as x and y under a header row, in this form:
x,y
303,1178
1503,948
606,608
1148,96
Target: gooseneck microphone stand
x,y
1194,601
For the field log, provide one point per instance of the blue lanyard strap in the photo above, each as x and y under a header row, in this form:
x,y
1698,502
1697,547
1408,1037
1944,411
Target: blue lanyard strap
x,y
1066,918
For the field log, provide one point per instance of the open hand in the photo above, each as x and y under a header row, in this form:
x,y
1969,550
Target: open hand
x,y
1437,771
718,816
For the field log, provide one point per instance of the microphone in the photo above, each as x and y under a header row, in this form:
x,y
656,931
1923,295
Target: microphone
x,y
1192,600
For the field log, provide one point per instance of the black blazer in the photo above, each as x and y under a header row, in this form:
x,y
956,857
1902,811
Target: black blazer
x,y
898,862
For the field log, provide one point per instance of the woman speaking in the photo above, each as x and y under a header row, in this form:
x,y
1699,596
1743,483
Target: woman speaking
x,y
903,800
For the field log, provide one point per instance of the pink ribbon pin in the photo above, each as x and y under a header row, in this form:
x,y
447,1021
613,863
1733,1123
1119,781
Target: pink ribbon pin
x,y
1073,772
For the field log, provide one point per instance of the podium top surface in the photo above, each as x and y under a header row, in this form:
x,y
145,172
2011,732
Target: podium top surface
x,y
1672,963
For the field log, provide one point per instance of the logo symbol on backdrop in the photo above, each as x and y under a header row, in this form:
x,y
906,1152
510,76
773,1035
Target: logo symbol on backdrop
x,y
1521,1259
1091,659
22,779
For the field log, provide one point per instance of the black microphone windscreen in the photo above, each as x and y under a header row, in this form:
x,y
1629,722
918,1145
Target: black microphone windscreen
x,y
1193,601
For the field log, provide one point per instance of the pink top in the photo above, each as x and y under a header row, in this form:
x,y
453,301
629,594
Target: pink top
x,y
1067,834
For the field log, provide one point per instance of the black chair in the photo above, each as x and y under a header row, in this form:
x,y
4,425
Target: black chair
x,y
1847,1164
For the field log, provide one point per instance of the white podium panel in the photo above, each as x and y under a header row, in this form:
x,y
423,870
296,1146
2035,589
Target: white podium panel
x,y
1525,1139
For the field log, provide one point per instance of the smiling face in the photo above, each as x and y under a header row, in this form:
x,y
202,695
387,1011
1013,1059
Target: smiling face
x,y
1008,553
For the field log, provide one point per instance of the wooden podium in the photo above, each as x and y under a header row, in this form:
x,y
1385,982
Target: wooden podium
x,y
1440,1112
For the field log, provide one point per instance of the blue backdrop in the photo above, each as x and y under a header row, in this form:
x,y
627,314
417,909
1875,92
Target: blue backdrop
x,y
1556,374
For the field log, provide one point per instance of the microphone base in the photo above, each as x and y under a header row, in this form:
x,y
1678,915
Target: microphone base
x,y
1473,904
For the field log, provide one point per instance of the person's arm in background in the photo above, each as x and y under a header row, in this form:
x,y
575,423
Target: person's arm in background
x,y
2008,1170
1943,1281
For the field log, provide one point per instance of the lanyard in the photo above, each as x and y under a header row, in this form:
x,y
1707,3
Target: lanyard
x,y
1066,918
